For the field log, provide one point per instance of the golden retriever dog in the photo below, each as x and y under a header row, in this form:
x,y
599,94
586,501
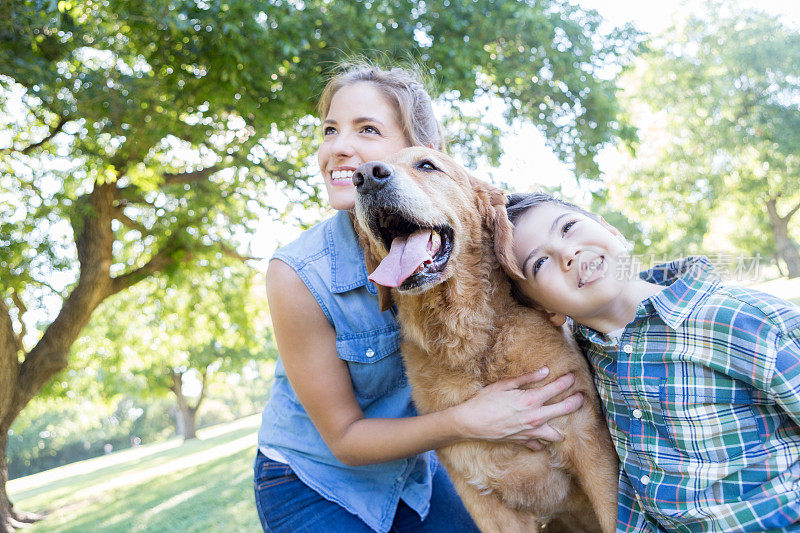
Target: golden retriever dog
x,y
434,233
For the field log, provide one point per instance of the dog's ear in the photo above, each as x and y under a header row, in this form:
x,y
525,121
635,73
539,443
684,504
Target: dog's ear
x,y
492,207
385,300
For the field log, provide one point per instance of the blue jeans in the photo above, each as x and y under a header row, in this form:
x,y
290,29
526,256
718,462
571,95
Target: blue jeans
x,y
286,504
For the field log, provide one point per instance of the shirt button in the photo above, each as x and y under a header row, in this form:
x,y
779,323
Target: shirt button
x,y
645,479
370,352
637,413
627,348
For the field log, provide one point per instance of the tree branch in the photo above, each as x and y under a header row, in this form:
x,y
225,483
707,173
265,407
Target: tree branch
x,y
202,391
94,242
177,389
53,132
45,284
165,258
791,212
190,177
22,310
128,222
230,252
132,193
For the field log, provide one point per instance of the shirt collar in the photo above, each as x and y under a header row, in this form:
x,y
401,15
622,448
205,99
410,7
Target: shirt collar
x,y
688,282
348,270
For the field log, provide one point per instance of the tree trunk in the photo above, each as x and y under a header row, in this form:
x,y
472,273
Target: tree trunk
x,y
786,248
25,379
10,517
186,415
21,381
7,522
188,425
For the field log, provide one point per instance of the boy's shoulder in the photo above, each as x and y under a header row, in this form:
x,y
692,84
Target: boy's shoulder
x,y
696,297
738,305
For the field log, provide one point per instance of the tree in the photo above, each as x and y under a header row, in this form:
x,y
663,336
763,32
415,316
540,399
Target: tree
x,y
145,131
720,95
167,330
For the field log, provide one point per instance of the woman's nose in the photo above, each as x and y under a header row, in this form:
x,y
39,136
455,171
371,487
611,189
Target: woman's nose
x,y
343,145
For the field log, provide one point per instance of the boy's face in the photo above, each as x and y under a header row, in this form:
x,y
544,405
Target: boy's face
x,y
571,262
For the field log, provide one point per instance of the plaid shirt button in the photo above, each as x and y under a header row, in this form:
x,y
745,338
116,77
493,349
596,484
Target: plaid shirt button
x,y
627,348
645,479
637,413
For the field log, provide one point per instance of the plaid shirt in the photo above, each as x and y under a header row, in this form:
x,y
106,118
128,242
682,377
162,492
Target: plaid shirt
x,y
702,398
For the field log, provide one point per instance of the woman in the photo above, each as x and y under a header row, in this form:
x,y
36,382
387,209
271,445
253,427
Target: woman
x,y
341,447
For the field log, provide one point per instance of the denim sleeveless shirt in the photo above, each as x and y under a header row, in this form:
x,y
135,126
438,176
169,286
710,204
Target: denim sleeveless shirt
x,y
330,262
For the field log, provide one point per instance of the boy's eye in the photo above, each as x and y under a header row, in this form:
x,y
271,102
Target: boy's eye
x,y
567,227
538,264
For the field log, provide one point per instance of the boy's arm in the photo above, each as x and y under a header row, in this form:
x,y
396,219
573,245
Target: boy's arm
x,y
785,382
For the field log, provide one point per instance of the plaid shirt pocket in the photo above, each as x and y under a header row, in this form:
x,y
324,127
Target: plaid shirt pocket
x,y
710,423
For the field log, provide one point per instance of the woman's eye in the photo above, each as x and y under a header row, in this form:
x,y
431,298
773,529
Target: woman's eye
x,y
370,129
426,165
329,130
538,264
567,227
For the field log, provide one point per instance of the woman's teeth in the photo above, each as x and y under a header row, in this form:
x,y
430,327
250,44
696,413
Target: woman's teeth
x,y
342,175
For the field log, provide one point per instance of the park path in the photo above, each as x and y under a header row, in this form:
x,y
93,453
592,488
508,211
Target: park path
x,y
142,453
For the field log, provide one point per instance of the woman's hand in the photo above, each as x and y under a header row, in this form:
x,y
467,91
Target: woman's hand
x,y
505,412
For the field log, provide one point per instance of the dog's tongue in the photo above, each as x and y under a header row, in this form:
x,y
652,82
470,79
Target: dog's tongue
x,y
405,256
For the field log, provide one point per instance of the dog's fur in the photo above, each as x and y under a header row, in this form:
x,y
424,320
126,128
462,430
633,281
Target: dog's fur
x,y
464,331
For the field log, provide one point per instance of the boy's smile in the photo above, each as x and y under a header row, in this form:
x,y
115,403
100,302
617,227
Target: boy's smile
x,y
591,271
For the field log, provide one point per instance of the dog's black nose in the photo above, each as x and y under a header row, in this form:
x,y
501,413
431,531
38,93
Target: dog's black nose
x,y
371,176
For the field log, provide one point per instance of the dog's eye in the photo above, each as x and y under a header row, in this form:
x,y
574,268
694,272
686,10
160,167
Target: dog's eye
x,y
426,165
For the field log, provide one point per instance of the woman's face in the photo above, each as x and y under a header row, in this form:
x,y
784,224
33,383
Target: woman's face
x,y
361,126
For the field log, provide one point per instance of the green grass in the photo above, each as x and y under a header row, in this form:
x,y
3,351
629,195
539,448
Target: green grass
x,y
203,485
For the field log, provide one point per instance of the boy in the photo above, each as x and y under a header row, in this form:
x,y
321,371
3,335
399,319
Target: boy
x,y
700,382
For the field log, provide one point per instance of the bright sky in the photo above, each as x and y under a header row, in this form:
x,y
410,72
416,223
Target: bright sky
x,y
528,163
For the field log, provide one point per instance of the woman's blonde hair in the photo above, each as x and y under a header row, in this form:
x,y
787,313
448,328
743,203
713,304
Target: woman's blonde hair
x,y
404,89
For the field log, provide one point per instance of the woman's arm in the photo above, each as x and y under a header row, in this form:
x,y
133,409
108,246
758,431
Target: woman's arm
x,y
307,344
